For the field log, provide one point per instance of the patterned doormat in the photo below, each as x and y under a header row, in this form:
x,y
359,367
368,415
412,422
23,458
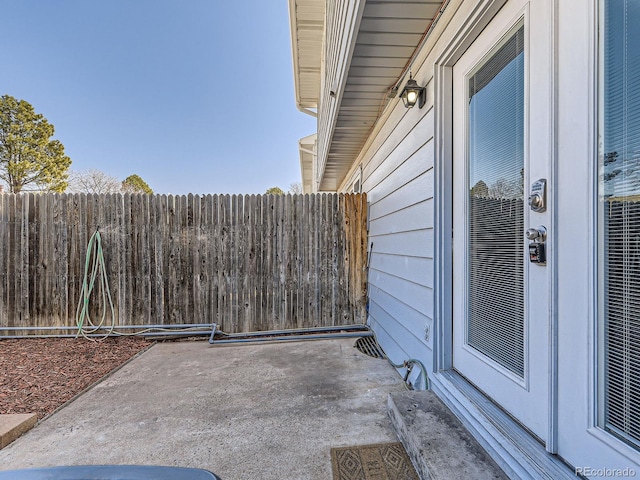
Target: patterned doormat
x,y
382,461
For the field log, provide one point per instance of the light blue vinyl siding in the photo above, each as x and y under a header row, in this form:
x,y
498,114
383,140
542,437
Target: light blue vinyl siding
x,y
411,294
398,178
418,270
408,318
411,244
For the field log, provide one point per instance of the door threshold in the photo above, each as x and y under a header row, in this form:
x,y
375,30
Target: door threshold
x,y
518,453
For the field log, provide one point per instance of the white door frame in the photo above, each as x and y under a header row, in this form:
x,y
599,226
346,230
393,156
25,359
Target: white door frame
x,y
443,101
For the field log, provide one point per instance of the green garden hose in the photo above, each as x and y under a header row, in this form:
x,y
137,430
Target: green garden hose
x,y
94,270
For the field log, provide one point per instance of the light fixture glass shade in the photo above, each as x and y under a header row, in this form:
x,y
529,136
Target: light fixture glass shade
x,y
412,94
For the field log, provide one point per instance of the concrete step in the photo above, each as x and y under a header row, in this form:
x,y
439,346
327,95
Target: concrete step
x,y
15,424
439,446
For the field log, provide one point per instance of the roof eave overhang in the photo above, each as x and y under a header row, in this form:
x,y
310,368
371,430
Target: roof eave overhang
x,y
385,42
306,18
307,149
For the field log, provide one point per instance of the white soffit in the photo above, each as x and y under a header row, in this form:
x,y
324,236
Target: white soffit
x,y
307,31
307,148
390,31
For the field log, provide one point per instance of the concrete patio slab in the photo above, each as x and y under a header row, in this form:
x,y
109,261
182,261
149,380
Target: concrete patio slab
x,y
13,425
257,411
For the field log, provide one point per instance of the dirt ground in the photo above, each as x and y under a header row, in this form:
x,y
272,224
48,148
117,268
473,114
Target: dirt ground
x,y
39,375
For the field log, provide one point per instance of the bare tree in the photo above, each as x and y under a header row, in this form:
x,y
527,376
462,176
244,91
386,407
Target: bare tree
x,y
93,181
505,189
295,188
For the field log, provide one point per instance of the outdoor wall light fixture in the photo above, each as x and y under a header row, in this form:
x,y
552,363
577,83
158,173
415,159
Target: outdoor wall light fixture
x,y
413,93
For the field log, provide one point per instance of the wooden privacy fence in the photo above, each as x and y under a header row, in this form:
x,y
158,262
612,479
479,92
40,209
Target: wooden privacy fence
x,y
245,262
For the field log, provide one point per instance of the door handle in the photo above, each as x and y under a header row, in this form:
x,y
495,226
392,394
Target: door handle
x,y
537,249
538,234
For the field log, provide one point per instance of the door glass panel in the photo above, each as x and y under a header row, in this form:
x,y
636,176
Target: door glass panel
x,y
619,206
495,284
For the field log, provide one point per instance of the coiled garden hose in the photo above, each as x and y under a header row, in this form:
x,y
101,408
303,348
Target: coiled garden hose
x,y
94,270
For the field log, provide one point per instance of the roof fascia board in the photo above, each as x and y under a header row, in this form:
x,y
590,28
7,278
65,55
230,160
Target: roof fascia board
x,y
293,25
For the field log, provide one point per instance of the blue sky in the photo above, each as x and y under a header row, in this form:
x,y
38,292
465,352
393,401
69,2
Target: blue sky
x,y
192,95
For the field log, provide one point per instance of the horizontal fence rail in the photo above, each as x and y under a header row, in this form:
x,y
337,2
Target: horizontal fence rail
x,y
245,262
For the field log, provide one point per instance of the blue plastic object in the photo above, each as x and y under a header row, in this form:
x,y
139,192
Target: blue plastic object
x,y
109,472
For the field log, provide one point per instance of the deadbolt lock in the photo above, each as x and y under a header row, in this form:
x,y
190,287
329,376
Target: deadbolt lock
x,y
535,201
538,196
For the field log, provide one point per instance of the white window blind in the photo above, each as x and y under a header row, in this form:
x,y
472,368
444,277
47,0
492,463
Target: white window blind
x,y
495,321
620,220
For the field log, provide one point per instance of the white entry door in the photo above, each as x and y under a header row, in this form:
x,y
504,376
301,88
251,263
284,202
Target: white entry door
x,y
502,117
599,237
